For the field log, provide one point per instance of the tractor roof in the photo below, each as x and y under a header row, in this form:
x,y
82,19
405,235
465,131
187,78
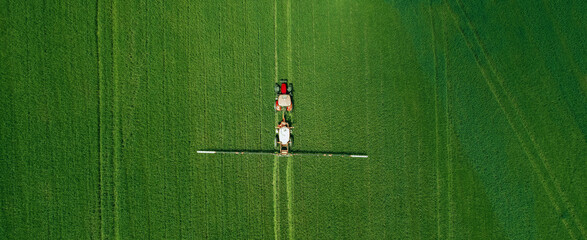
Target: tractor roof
x,y
284,100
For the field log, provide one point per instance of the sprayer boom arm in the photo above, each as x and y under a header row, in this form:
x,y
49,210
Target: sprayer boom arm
x,y
290,154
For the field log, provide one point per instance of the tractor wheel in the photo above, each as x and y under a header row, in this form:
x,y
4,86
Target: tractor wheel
x,y
289,88
276,88
275,142
290,141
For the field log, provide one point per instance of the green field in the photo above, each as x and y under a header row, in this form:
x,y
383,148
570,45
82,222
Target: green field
x,y
473,113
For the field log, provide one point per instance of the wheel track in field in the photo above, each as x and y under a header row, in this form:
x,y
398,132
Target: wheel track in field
x,y
289,167
447,140
276,225
448,185
289,50
524,135
109,113
441,232
276,197
574,68
117,129
435,116
438,230
147,68
275,38
100,109
315,92
289,189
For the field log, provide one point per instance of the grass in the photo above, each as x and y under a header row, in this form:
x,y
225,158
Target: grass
x,y
473,115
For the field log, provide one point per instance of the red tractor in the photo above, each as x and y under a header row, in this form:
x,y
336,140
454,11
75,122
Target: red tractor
x,y
283,90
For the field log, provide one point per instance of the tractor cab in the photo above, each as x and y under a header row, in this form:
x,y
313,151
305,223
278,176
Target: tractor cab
x,y
283,90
